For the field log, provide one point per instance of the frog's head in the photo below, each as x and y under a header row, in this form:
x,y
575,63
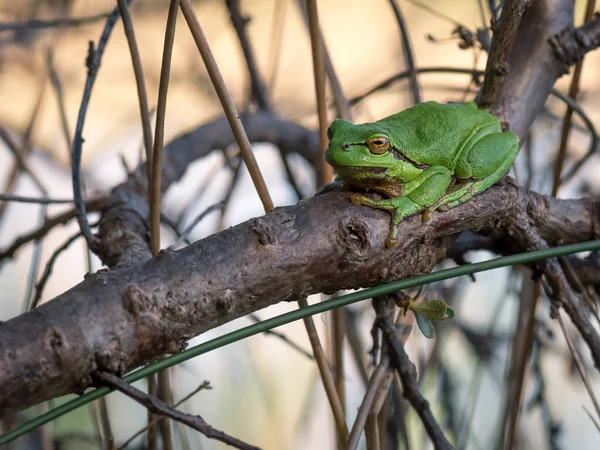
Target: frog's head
x,y
365,154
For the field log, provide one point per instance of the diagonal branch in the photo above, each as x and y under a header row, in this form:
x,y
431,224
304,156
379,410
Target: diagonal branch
x,y
159,407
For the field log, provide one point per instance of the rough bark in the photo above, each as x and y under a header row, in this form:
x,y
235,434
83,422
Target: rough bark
x,y
117,320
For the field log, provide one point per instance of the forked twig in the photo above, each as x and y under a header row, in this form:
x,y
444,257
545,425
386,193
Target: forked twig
x,y
161,408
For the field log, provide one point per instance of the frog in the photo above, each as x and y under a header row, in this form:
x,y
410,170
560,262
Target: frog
x,y
431,156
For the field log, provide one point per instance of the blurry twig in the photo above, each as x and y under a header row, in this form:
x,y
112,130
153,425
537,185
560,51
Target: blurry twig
x,y
408,52
51,23
93,63
227,103
51,222
185,233
324,170
579,364
36,200
56,84
204,385
48,270
257,90
407,372
283,337
161,408
136,61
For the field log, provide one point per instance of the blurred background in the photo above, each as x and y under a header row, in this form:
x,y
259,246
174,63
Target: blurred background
x,y
264,391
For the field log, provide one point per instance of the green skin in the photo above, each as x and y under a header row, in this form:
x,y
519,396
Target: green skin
x,y
437,156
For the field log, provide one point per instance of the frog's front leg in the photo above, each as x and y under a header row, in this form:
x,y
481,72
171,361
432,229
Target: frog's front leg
x,y
420,193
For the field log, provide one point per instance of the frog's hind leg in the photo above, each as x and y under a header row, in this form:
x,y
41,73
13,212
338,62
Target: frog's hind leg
x,y
488,160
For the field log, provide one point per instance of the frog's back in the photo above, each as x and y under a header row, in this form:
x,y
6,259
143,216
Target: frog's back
x,y
432,132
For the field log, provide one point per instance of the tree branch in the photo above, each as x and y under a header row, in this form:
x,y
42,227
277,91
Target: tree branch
x,y
118,320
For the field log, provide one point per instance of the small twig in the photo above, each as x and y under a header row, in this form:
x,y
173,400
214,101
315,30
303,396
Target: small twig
x,y
56,84
327,378
227,103
496,68
567,120
109,439
51,23
204,385
155,187
341,103
408,52
161,408
36,257
36,200
233,181
48,270
521,354
283,337
92,63
49,224
377,387
136,61
21,162
324,170
408,375
275,50
579,364
185,233
257,90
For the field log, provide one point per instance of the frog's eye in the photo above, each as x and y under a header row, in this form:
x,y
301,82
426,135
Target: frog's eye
x,y
378,145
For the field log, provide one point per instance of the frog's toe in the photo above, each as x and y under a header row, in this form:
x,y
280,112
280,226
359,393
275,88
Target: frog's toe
x,y
356,199
390,242
427,214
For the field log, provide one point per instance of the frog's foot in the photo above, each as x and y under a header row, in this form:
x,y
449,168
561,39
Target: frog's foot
x,y
398,207
450,200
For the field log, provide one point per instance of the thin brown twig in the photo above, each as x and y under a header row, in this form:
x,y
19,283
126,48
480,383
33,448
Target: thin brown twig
x,y
56,84
51,23
324,170
109,439
159,407
257,89
39,289
579,364
136,62
521,354
567,120
51,222
341,103
36,200
377,387
159,131
328,382
408,52
408,375
204,385
93,64
185,233
164,390
227,103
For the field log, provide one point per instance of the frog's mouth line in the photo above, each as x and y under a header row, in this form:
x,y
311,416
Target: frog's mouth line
x,y
361,169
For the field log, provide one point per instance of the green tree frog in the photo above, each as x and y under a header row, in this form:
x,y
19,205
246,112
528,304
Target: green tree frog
x,y
428,157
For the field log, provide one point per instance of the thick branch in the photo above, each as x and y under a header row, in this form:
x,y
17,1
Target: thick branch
x,y
115,321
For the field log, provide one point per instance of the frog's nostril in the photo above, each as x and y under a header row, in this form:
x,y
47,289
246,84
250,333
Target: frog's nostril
x,y
346,146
